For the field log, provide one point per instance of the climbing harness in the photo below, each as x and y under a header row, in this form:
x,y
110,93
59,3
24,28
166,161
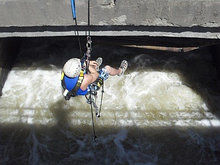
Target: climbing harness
x,y
91,97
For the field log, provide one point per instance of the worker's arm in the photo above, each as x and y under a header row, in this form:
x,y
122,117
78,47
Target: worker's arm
x,y
92,70
91,77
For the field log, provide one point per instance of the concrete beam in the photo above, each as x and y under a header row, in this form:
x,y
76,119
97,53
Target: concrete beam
x,y
172,18
157,31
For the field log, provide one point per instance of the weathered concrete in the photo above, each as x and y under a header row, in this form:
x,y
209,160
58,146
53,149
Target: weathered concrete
x,y
8,52
173,18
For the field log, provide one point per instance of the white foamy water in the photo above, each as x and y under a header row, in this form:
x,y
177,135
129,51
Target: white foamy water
x,y
139,98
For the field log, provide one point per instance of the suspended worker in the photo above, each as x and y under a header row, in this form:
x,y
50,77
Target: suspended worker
x,y
76,81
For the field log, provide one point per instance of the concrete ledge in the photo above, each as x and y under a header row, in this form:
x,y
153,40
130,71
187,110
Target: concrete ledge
x,y
116,30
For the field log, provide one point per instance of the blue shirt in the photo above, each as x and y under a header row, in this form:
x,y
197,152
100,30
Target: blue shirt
x,y
71,83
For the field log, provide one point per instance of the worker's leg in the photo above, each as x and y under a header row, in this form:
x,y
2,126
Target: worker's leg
x,y
112,71
120,71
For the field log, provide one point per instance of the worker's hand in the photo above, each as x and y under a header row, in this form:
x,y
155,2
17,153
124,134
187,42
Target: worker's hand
x,y
84,66
93,63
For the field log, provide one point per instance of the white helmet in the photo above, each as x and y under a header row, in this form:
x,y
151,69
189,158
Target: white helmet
x,y
72,67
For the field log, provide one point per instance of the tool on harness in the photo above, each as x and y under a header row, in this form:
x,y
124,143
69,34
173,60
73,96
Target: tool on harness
x,y
94,87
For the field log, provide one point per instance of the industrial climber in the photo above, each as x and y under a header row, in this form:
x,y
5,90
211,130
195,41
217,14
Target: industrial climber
x,y
76,81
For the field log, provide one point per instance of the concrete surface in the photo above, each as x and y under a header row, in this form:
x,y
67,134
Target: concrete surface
x,y
175,18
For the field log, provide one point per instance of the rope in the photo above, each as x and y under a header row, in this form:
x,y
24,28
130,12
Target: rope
x,y
86,56
100,107
73,7
93,125
89,16
88,53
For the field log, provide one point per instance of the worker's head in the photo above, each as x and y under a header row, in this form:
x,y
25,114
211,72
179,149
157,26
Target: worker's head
x,y
72,67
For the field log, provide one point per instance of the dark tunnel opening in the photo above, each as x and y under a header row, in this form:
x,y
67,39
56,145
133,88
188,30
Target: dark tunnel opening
x,y
64,142
155,47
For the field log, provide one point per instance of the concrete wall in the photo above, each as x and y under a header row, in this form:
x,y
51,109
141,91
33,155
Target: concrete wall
x,y
8,52
184,13
177,18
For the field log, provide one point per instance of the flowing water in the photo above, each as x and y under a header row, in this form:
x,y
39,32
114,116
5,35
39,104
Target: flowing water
x,y
164,110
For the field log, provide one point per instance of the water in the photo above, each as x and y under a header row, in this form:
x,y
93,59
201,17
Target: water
x,y
164,110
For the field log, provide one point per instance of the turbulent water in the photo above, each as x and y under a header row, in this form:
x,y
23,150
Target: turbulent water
x,y
164,110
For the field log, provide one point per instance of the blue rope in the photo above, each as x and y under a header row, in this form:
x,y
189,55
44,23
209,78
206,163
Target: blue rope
x,y
73,9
